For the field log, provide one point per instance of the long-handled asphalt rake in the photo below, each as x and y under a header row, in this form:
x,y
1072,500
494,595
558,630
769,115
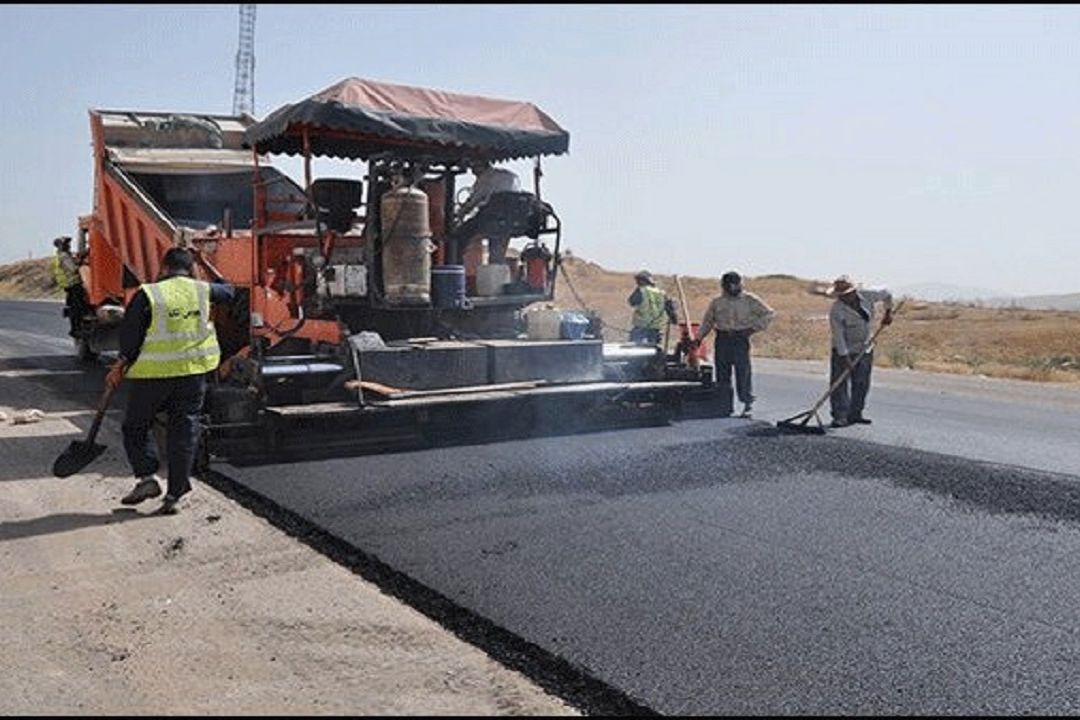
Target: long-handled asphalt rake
x,y
801,423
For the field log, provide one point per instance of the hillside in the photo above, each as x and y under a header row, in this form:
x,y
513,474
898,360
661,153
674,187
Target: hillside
x,y
959,338
28,279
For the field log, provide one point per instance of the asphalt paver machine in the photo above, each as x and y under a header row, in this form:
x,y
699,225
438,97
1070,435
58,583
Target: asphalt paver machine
x,y
369,315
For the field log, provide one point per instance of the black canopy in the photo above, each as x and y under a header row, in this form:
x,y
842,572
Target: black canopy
x,y
358,118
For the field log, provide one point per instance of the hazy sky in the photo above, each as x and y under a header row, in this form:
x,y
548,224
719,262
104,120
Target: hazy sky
x,y
897,143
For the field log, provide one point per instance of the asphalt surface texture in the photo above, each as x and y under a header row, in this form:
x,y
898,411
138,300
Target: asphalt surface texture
x,y
925,564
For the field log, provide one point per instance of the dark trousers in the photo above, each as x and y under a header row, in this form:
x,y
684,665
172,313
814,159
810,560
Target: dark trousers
x,y
77,304
181,398
733,353
645,335
849,399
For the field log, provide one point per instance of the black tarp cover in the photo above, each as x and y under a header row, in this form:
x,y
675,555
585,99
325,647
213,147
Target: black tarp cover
x,y
357,118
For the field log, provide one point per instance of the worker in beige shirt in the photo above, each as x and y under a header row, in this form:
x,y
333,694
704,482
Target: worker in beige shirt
x,y
851,319
735,315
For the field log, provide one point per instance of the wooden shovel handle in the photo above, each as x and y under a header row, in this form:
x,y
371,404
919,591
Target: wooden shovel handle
x,y
103,405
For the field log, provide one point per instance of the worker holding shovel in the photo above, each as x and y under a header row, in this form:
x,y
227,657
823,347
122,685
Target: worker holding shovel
x,y
850,320
168,345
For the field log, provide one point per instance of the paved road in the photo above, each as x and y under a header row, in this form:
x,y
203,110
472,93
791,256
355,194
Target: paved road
x,y
928,563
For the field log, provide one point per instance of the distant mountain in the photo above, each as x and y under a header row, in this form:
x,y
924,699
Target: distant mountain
x,y
944,292
1070,301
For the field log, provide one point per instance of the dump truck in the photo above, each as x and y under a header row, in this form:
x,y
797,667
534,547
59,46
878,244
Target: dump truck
x,y
367,316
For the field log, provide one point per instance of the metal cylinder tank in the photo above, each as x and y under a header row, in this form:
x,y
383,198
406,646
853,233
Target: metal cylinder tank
x,y
406,246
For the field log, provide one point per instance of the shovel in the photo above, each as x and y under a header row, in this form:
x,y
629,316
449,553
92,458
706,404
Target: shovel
x,y
81,453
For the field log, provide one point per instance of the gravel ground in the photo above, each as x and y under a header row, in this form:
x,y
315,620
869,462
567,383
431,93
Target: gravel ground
x,y
114,611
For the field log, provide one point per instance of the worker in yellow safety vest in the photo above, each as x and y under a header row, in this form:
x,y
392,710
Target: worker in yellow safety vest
x,y
65,268
167,347
652,310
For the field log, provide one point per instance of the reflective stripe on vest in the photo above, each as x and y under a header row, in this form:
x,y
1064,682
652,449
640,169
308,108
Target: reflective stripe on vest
x,y
63,278
180,339
650,312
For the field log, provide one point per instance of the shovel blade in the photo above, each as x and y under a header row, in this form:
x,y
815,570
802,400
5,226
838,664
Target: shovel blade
x,y
77,456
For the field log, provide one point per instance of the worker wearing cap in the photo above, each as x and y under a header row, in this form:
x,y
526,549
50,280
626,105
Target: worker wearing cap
x,y
167,346
735,315
851,318
65,268
652,310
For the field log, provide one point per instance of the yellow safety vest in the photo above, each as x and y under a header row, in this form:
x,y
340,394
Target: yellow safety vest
x,y
181,339
64,279
650,312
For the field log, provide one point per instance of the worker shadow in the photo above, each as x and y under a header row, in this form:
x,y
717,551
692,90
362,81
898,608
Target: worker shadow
x,y
65,522
31,457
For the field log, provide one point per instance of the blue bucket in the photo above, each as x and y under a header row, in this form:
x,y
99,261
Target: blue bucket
x,y
448,286
573,326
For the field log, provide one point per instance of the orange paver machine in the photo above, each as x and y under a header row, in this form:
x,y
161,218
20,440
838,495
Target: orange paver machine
x,y
369,314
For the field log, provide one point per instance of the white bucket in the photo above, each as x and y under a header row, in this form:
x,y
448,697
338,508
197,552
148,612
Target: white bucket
x,y
543,324
491,278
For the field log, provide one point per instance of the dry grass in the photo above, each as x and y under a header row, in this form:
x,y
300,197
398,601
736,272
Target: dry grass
x,y
1042,345
28,279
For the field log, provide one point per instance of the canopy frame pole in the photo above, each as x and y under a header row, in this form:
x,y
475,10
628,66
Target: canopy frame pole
x,y
307,161
538,173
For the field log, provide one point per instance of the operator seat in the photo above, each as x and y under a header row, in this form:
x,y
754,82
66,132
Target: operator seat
x,y
336,199
506,214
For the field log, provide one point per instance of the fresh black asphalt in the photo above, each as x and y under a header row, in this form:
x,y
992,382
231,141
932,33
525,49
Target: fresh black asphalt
x,y
927,564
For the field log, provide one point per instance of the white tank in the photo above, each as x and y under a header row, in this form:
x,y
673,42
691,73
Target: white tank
x,y
543,323
406,246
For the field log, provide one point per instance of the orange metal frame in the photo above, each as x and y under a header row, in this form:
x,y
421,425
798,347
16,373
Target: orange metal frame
x,y
125,230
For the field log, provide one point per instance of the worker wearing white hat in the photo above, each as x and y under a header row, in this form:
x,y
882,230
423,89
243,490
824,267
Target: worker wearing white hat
x,y
850,321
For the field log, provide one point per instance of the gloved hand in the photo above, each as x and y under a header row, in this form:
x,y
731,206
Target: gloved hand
x,y
116,374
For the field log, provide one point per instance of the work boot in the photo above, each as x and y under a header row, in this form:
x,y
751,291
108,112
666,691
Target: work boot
x,y
747,408
168,506
860,420
145,489
839,423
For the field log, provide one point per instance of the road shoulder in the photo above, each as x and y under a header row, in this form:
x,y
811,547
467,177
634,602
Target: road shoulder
x,y
109,610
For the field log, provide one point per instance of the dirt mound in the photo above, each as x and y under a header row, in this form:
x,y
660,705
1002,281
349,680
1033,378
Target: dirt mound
x,y
29,279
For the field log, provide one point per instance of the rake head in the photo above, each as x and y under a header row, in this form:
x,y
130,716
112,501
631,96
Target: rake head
x,y
800,424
